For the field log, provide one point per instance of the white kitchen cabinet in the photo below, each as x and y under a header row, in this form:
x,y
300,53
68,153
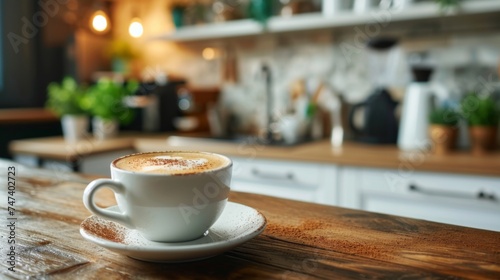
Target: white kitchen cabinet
x,y
302,181
465,200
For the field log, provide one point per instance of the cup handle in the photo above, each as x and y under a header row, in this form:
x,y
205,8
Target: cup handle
x,y
88,201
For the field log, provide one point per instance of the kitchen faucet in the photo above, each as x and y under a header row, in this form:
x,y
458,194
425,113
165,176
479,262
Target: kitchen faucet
x,y
266,72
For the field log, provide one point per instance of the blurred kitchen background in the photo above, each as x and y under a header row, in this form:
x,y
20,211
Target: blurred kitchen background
x,y
222,47
282,72
254,67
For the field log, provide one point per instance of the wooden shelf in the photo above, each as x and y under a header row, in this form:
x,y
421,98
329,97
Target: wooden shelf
x,y
316,21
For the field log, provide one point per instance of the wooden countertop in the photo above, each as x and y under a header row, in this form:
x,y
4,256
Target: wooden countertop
x,y
57,148
24,115
351,154
301,241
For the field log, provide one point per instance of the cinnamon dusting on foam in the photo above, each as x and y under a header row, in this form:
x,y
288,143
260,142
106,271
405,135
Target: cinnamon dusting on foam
x,y
181,163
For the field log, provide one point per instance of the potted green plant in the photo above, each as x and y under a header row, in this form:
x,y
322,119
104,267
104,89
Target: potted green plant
x,y
448,5
105,102
121,54
260,10
482,115
443,129
65,100
178,10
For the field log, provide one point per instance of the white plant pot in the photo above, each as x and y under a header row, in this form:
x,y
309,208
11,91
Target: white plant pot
x,y
333,7
74,127
104,129
364,6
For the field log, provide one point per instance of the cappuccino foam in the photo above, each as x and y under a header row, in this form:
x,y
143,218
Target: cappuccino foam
x,y
172,163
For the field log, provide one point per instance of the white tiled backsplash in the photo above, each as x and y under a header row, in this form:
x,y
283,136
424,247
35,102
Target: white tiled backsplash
x,y
343,63
337,57
464,63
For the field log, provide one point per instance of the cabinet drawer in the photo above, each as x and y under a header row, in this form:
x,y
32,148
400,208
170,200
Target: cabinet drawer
x,y
447,186
277,172
464,200
463,212
301,194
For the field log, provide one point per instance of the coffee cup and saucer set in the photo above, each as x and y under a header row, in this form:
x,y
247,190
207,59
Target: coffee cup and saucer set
x,y
171,207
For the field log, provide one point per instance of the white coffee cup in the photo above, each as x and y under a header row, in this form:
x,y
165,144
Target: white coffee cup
x,y
165,207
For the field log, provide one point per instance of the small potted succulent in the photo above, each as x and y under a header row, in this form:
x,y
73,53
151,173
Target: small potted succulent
x,y
105,102
482,115
65,100
443,129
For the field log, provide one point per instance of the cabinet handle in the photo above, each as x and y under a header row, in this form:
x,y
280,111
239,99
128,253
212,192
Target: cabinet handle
x,y
480,195
288,176
488,196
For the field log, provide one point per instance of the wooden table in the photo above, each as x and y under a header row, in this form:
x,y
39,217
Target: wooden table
x,y
301,241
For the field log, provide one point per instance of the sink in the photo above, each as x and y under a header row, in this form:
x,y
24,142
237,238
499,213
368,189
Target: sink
x,y
237,139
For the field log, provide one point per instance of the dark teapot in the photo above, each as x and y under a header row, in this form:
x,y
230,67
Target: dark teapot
x,y
380,125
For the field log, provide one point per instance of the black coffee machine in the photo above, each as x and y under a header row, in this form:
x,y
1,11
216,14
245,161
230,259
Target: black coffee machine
x,y
380,125
156,106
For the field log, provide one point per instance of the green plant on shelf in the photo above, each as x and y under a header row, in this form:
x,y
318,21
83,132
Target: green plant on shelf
x,y
260,10
105,99
65,98
121,49
444,116
121,54
480,110
445,5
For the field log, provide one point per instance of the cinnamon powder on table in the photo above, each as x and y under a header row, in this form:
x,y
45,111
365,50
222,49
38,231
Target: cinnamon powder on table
x,y
304,234
104,229
317,233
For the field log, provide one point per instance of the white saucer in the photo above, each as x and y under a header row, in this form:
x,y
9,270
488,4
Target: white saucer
x,y
237,224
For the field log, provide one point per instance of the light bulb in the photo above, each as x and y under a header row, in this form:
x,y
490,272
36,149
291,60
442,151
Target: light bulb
x,y
208,53
135,28
99,21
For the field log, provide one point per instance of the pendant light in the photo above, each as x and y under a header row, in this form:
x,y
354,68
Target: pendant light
x,y
135,28
99,20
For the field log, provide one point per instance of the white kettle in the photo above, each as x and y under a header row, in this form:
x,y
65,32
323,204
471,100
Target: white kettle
x,y
413,125
417,104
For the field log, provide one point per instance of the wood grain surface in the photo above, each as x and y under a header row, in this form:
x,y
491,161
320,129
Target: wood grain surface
x,y
26,115
301,241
